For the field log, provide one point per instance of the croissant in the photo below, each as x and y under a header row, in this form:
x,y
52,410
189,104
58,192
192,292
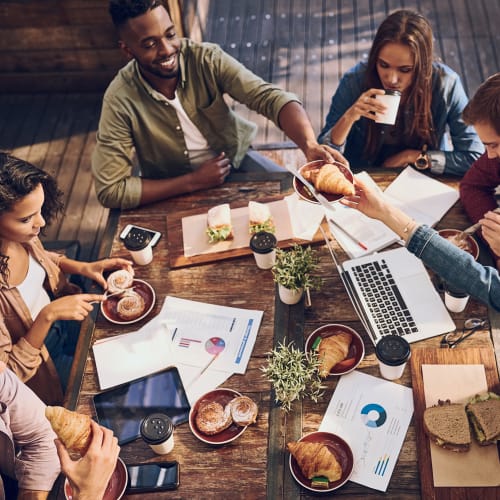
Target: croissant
x,y
329,179
315,459
333,350
72,428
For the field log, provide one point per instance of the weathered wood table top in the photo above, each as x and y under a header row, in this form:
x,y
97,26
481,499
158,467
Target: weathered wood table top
x,y
256,464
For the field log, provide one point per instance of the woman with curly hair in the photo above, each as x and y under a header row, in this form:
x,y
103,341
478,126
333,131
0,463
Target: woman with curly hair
x,y
40,310
432,100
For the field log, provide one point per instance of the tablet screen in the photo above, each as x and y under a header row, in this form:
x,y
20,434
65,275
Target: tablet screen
x,y
123,408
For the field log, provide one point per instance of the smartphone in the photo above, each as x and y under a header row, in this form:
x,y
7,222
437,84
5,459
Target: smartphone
x,y
155,235
157,476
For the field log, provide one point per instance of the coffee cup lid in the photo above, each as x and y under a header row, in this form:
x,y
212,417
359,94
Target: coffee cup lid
x,y
156,428
137,240
393,92
263,242
392,350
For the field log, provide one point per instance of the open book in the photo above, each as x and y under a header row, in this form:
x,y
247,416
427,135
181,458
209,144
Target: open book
x,y
421,197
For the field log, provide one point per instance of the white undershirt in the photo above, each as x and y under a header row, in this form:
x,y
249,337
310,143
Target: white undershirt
x,y
31,288
198,148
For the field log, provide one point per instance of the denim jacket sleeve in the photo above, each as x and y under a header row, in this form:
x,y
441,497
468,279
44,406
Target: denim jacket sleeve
x,y
348,91
455,266
448,102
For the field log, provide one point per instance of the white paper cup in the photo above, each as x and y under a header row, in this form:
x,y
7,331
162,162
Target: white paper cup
x,y
392,352
263,246
157,430
455,300
391,99
139,246
142,257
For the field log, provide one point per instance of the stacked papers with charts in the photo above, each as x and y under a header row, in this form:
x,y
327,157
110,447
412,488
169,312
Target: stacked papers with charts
x,y
207,343
425,199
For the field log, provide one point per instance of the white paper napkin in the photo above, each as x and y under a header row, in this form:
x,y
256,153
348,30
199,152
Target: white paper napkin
x,y
304,216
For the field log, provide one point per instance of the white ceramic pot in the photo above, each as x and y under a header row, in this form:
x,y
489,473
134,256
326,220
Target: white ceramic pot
x,y
289,296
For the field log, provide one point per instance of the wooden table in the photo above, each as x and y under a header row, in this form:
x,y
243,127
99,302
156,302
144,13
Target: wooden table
x,y
255,465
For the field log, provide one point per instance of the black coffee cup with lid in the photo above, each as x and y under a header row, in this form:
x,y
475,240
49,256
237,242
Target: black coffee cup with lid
x,y
157,430
263,245
392,352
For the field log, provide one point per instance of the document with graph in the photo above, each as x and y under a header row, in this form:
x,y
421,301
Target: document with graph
x,y
372,415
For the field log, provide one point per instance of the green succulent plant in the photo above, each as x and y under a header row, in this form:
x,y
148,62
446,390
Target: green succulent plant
x,y
293,374
293,268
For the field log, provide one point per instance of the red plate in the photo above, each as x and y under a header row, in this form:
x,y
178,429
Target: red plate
x,y
305,194
356,349
470,246
116,486
221,396
145,290
338,447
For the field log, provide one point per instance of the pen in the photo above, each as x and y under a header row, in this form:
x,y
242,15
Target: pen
x,y
359,243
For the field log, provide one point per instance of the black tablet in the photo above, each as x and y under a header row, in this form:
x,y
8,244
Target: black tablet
x,y
123,408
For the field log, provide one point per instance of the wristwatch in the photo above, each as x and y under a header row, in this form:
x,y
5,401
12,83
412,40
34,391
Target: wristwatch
x,y
422,162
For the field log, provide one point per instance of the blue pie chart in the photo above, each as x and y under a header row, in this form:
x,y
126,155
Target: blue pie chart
x,y
373,415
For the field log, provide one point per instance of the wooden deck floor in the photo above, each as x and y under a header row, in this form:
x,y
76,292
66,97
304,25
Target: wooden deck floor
x,y
302,45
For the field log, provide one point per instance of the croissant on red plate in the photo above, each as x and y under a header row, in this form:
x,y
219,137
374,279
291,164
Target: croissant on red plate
x,y
333,350
329,179
315,459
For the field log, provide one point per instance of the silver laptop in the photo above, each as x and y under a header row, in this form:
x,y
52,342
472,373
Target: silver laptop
x,y
393,294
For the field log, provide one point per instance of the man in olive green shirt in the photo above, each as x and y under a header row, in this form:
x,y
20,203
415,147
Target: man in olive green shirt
x,y
166,108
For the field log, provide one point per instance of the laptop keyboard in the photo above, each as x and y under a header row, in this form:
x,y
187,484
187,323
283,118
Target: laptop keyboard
x,y
385,303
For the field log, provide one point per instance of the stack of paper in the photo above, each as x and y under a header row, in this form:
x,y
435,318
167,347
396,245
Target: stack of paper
x,y
421,197
207,343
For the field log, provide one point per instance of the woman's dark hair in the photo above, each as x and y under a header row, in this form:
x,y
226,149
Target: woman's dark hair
x,y
484,107
19,178
413,30
123,10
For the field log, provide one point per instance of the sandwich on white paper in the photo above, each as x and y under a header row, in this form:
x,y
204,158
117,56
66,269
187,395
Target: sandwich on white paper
x,y
483,411
260,218
219,225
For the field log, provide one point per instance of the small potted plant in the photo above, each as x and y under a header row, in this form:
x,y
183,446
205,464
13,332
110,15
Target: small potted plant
x,y
293,272
293,375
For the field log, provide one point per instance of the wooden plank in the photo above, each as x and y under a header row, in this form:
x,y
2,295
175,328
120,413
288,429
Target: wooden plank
x,y
62,60
39,38
95,81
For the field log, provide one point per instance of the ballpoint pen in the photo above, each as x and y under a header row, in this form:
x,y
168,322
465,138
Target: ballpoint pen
x,y
353,238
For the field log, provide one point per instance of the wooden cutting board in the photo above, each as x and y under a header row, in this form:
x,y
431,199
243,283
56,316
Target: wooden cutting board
x,y
176,244
422,356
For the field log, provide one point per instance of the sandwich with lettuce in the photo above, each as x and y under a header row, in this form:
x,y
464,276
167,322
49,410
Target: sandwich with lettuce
x,y
260,218
483,411
219,225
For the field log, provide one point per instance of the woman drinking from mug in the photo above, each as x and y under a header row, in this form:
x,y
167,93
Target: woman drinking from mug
x,y
40,310
401,61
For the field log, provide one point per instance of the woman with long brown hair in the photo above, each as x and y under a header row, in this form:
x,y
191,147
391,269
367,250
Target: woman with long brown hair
x,y
401,60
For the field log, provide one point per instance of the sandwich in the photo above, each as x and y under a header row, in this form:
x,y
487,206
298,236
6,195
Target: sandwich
x,y
484,415
447,426
260,218
219,225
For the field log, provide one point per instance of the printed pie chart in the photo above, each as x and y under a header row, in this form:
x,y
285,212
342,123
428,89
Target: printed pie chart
x,y
215,345
373,415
